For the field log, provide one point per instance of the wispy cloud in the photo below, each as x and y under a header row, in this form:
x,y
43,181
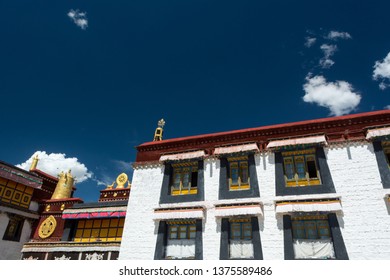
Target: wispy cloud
x,y
106,176
54,163
123,166
79,18
328,50
310,41
335,35
387,107
382,72
339,97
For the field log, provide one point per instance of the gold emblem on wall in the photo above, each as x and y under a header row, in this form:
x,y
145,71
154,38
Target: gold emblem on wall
x,y
121,180
47,227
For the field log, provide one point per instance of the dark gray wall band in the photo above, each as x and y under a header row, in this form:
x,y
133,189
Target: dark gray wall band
x,y
161,243
382,164
338,241
326,185
288,238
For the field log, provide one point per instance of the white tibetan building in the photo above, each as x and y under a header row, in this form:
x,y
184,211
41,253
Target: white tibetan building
x,y
316,189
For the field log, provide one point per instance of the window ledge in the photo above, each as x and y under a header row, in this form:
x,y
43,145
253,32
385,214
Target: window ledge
x,y
306,197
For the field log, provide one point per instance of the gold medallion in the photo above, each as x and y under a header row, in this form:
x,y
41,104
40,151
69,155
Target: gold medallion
x,y
121,180
47,227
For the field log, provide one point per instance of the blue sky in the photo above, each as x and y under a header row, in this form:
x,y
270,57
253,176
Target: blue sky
x,y
84,82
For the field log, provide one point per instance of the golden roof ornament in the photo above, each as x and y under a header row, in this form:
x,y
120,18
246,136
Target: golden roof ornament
x,y
64,186
110,186
34,162
121,181
158,134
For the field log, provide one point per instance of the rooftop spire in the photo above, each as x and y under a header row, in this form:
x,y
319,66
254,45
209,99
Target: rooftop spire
x,y
158,134
34,162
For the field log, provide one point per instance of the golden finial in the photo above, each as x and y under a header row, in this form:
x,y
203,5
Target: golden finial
x,y
159,130
34,162
64,186
110,186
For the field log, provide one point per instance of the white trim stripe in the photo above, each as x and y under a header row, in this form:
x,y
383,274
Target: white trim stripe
x,y
183,156
377,132
178,214
236,149
297,141
227,211
325,206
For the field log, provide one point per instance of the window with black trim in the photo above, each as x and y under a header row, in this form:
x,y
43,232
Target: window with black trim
x,y
183,181
300,168
14,229
312,237
179,239
184,178
240,243
302,171
238,177
238,173
240,238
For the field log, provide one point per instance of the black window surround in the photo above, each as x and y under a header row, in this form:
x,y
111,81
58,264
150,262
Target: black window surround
x,y
382,164
225,193
165,195
162,240
14,228
225,237
326,185
337,238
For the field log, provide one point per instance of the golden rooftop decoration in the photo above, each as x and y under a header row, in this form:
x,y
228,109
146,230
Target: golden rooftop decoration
x,y
120,182
34,162
64,186
158,134
47,227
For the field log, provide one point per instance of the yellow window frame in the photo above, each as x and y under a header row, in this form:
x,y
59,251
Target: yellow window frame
x,y
302,156
181,170
241,164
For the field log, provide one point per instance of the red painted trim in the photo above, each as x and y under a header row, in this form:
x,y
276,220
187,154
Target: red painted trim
x,y
337,129
45,175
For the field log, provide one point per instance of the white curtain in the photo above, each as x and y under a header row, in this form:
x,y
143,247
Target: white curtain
x,y
313,249
241,249
180,249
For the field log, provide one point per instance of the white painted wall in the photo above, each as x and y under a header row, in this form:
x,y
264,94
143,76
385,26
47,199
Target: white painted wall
x,y
140,231
365,221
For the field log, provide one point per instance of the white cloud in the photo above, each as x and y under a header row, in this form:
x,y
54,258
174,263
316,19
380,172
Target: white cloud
x,y
382,72
328,50
338,97
54,163
79,18
310,41
123,166
335,35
